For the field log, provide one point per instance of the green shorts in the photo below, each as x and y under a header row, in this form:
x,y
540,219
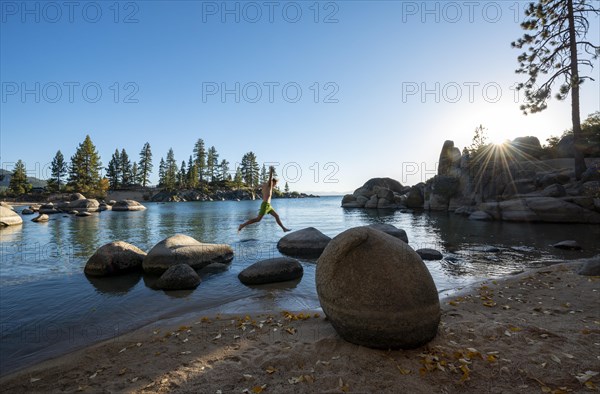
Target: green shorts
x,y
265,208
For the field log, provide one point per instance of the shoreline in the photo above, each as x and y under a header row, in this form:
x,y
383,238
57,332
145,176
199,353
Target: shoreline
x,y
509,334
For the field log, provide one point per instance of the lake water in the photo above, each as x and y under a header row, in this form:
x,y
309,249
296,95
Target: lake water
x,y
48,307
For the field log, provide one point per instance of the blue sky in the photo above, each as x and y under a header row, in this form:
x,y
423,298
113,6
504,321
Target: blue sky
x,y
382,83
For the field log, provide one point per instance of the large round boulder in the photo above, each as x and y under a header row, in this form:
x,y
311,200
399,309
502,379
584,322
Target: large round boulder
x,y
308,242
391,230
376,291
178,277
115,258
183,249
280,269
8,217
127,205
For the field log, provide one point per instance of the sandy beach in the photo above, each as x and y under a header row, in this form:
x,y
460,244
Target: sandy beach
x,y
538,331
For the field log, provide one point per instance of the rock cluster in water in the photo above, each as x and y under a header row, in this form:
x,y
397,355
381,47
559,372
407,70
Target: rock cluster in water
x,y
522,189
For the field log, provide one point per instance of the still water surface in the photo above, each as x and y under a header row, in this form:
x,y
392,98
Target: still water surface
x,y
48,307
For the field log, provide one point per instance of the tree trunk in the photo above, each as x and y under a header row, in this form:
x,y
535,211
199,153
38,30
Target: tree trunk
x,y
578,154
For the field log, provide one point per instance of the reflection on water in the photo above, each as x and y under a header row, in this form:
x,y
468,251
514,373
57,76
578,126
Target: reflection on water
x,y
42,286
115,285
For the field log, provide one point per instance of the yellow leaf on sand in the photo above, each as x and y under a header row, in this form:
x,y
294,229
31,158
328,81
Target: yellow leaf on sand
x,y
404,371
259,389
270,370
515,329
489,303
290,330
590,385
491,358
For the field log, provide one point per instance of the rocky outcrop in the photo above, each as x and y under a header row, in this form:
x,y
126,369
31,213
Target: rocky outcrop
x,y
115,258
449,162
8,217
526,147
280,269
377,193
127,205
184,249
307,243
178,277
540,209
362,267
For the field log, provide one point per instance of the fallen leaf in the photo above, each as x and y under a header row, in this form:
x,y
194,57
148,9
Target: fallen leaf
x,y
218,336
259,389
122,371
134,380
290,330
271,370
584,377
92,376
590,385
555,358
186,352
295,380
403,371
309,379
567,355
33,380
122,350
138,344
248,376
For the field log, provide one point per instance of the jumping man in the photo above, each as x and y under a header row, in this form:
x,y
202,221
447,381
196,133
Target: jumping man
x,y
265,207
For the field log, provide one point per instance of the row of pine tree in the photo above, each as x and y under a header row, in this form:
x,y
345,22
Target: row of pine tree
x,y
83,173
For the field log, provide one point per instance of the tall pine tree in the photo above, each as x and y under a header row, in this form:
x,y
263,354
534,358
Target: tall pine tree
x,y
18,181
58,170
145,165
84,174
113,171
200,158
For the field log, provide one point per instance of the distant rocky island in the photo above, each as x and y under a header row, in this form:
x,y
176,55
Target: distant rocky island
x,y
514,183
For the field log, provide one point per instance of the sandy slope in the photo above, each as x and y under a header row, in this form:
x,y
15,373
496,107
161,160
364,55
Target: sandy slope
x,y
536,332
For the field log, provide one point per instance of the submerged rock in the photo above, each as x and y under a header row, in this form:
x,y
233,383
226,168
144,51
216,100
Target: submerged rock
x,y
480,215
180,249
430,254
178,277
27,211
308,242
391,230
280,269
115,258
568,245
376,291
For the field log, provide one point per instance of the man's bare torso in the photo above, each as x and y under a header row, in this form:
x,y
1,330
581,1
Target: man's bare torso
x,y
266,192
